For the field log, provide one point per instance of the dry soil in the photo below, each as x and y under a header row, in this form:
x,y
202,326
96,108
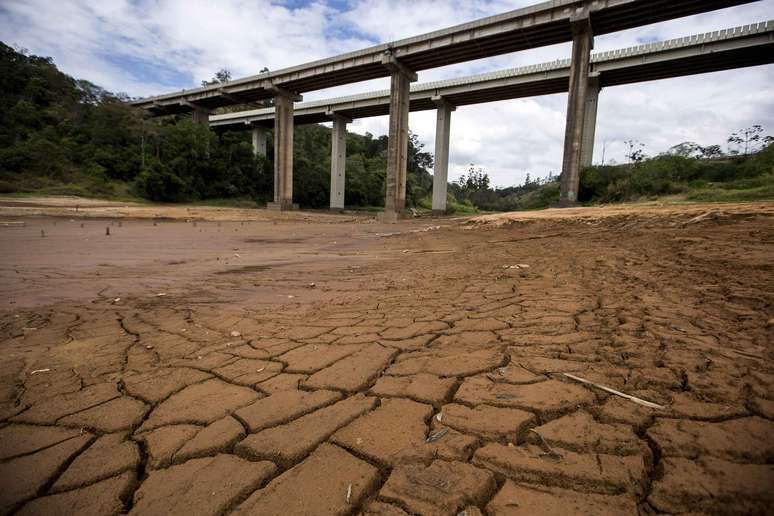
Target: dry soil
x,y
203,361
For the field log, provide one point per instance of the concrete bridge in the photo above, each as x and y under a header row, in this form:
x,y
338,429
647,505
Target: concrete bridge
x,y
737,47
547,23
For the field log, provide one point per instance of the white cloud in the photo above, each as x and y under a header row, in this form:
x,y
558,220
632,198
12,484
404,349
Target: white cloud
x,y
146,47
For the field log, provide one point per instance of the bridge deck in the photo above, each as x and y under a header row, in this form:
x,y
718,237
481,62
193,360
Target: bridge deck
x,y
543,24
738,47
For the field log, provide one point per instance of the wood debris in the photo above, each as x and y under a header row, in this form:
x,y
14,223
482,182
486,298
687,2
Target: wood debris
x,y
437,435
549,452
629,397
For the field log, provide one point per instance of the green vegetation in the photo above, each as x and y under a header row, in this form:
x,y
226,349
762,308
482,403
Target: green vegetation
x,y
680,177
687,172
62,136
473,192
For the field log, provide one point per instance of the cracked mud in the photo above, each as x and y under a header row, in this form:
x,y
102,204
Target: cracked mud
x,y
309,364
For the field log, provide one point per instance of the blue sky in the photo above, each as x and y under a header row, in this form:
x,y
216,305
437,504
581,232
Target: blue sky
x,y
146,47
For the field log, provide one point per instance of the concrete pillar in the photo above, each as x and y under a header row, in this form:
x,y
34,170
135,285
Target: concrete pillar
x,y
259,140
397,145
201,116
338,160
582,43
441,168
283,153
590,121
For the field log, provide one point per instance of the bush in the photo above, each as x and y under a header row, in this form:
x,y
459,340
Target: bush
x,y
669,175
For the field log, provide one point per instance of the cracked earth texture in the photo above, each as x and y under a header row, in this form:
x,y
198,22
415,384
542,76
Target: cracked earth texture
x,y
314,364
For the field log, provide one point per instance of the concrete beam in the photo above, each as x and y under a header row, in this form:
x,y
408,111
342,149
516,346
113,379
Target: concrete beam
x,y
259,140
590,120
283,154
582,43
338,160
236,99
279,91
200,115
394,66
397,144
441,167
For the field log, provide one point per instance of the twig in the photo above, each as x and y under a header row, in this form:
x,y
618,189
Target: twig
x,y
437,435
617,393
747,355
538,237
549,451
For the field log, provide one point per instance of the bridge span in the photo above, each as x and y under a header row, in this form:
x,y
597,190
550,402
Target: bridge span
x,y
737,47
547,23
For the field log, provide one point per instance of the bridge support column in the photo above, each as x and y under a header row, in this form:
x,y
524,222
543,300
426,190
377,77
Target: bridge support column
x,y
283,150
397,145
338,160
582,43
259,140
441,167
200,116
590,121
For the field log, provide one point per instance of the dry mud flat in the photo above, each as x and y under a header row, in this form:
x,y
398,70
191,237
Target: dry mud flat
x,y
432,371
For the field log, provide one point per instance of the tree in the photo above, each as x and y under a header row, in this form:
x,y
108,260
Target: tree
x,y
475,181
635,153
222,76
748,139
685,150
711,151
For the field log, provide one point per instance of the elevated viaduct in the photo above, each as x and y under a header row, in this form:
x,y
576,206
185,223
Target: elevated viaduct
x,y
737,47
547,23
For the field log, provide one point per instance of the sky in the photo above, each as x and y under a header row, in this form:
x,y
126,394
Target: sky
x,y
149,47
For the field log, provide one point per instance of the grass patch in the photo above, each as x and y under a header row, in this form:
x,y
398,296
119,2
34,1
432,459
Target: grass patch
x,y
733,192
